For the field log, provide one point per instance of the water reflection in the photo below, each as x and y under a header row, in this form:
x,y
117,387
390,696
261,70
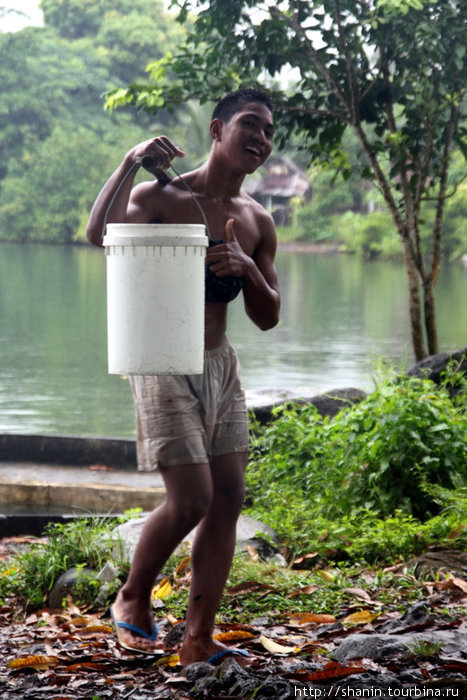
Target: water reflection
x,y
339,315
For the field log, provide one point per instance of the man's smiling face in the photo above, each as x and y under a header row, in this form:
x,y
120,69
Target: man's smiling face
x,y
247,138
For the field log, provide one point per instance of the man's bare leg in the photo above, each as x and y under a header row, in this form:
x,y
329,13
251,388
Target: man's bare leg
x,y
189,493
212,553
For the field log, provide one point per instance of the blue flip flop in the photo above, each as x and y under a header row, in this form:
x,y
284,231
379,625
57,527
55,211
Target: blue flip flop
x,y
119,625
226,652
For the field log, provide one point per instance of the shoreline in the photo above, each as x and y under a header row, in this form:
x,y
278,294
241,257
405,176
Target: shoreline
x,y
310,247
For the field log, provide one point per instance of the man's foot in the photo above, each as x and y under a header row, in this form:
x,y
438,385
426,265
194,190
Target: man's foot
x,y
212,652
131,636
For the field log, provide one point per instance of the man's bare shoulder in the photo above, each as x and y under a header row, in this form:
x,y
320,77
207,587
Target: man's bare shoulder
x,y
262,216
151,201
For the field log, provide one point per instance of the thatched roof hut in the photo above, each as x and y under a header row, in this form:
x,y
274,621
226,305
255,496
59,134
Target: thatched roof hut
x,y
280,180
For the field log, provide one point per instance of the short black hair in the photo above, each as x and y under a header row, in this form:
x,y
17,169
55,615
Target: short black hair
x,y
234,101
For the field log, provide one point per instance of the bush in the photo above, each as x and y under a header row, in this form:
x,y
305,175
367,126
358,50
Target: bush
x,y
391,456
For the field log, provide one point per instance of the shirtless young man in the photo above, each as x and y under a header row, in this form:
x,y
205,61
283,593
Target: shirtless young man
x,y
195,428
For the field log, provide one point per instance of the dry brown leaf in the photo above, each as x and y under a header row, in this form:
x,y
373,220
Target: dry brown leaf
x,y
249,587
306,590
305,559
451,583
184,564
460,583
333,670
358,593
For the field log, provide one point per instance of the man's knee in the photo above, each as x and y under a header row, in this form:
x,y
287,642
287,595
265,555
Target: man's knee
x,y
229,492
189,493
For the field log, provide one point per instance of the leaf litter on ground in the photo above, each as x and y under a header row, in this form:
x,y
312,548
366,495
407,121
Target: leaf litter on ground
x,y
75,648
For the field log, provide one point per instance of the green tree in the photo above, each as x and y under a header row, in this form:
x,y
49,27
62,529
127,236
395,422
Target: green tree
x,y
391,70
128,34
73,19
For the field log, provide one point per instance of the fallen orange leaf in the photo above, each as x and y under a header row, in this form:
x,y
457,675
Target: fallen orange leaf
x,y
9,572
318,618
182,566
36,662
86,666
104,629
233,635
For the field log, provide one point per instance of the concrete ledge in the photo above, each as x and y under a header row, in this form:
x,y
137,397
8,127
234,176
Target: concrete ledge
x,y
68,449
88,497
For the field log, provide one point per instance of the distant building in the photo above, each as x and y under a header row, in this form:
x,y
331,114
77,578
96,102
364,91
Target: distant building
x,y
280,180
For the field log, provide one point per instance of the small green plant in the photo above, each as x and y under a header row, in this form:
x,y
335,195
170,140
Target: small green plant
x,y
425,648
84,542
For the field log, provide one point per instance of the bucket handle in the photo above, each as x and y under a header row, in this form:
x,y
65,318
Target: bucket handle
x,y
148,163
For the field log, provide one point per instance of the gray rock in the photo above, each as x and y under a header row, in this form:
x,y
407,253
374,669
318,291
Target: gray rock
x,y
445,560
327,404
249,532
434,366
384,646
66,585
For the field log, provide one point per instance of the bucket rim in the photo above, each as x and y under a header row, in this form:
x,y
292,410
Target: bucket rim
x,y
140,228
155,235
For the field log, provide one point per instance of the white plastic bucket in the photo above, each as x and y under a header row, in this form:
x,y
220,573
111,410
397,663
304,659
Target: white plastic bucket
x,y
155,298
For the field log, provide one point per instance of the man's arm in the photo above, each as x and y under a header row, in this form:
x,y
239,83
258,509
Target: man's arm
x,y
118,202
261,292
111,204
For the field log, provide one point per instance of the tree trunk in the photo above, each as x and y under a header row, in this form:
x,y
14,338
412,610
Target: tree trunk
x,y
430,316
415,306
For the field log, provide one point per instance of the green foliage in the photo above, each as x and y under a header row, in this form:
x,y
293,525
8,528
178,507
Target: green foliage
x,y
57,144
68,171
368,478
85,542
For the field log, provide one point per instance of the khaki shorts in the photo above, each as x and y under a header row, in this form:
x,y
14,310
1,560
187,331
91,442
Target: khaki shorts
x,y
187,419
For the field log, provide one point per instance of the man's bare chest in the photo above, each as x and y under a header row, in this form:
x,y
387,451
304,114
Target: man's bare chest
x,y
216,212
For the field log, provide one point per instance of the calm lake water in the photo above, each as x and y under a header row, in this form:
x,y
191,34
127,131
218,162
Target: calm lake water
x,y
339,316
